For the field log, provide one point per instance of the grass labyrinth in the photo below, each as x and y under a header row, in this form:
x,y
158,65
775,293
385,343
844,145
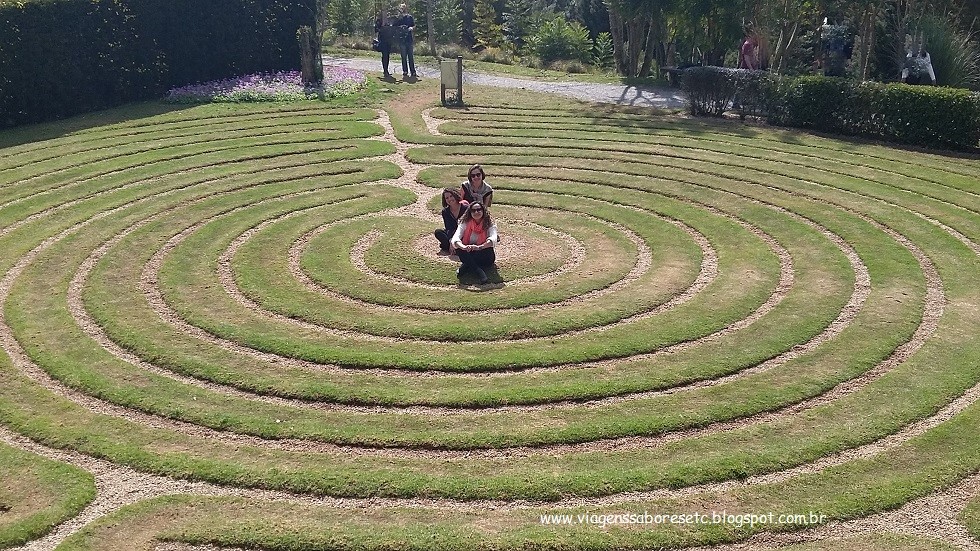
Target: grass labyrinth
x,y
687,317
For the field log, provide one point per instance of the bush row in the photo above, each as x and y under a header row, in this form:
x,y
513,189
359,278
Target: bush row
x,y
920,115
62,57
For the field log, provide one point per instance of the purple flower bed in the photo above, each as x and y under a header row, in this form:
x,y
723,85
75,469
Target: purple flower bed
x,y
282,86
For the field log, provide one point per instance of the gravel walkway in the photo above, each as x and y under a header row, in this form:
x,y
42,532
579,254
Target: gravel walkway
x,y
640,96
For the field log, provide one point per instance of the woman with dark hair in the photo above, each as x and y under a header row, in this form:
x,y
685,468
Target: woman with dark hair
x,y
452,208
474,240
386,40
475,188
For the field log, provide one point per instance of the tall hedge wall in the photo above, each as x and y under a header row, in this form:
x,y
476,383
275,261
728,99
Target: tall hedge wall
x,y
62,57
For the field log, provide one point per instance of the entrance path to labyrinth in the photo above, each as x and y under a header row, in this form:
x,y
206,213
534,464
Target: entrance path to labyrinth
x,y
226,327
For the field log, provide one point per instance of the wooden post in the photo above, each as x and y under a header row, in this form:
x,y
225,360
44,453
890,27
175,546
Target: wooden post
x,y
459,82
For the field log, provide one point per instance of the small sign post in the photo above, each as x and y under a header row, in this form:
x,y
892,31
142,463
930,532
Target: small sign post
x,y
452,81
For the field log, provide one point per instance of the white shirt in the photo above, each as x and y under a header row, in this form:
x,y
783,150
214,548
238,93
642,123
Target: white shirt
x,y
457,240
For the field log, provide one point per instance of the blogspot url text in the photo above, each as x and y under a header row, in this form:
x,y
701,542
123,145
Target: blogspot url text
x,y
736,520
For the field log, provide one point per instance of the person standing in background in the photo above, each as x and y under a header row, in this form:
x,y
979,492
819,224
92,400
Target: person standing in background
x,y
747,56
387,38
406,23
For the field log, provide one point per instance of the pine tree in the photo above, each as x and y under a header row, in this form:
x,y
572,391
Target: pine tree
x,y
486,28
518,19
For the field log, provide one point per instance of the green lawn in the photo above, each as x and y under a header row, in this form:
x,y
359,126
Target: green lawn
x,y
36,494
246,294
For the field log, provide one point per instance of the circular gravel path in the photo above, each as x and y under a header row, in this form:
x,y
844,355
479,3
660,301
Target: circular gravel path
x,y
933,516
639,96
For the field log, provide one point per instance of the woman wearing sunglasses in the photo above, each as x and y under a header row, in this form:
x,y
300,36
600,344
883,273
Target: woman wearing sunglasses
x,y
475,188
474,240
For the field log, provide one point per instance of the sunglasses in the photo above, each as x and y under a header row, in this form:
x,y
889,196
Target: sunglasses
x,y
477,210
475,174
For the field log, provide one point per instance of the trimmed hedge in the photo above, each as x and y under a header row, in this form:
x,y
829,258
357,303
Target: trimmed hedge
x,y
919,115
712,89
63,57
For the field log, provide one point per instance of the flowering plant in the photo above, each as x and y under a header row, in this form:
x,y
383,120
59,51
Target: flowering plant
x,y
281,86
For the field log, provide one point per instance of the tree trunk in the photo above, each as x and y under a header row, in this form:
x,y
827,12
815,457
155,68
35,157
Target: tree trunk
x,y
616,31
430,28
901,16
308,56
777,54
653,38
634,46
867,36
786,38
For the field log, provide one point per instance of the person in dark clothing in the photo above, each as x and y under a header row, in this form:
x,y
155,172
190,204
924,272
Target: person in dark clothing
x,y
452,208
406,23
387,39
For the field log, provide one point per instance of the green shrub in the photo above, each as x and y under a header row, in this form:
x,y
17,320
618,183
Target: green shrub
x,y
754,92
955,58
559,39
573,67
602,51
937,117
920,115
496,55
813,102
709,89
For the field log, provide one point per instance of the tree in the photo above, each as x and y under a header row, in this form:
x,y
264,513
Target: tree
x,y
487,31
780,23
466,31
348,17
636,27
430,28
868,13
311,62
445,21
518,21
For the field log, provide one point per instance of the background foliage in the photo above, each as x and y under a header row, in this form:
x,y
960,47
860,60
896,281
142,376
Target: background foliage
x,y
62,57
646,36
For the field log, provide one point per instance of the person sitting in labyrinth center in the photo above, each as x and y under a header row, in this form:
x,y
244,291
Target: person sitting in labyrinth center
x,y
475,188
452,208
474,241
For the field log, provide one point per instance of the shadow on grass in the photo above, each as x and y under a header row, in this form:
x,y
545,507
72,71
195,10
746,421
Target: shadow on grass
x,y
20,135
754,128
469,282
